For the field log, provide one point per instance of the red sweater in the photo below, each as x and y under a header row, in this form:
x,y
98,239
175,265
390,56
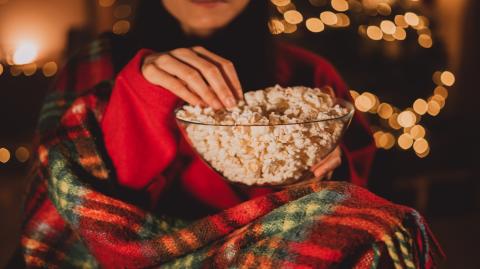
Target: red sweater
x,y
148,152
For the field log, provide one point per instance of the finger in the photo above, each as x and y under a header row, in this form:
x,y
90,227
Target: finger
x,y
156,76
329,90
330,165
335,153
210,72
227,68
330,175
190,76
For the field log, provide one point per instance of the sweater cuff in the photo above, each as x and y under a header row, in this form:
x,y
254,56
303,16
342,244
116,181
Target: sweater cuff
x,y
149,93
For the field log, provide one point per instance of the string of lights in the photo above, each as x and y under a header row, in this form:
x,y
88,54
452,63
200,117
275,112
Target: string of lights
x,y
377,21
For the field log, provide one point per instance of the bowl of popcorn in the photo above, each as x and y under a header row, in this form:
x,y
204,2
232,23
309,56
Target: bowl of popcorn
x,y
272,138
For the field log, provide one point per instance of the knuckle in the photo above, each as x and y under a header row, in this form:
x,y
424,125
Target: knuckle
x,y
148,70
192,75
212,70
197,48
181,51
227,64
162,59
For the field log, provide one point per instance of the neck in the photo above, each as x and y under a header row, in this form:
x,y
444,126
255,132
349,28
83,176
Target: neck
x,y
195,32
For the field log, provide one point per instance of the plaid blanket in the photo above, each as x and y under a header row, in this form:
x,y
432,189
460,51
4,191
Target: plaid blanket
x,y
77,216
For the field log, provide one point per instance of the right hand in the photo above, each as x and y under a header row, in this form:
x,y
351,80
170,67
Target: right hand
x,y
196,75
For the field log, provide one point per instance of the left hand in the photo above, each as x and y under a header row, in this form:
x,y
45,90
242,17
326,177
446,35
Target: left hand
x,y
326,166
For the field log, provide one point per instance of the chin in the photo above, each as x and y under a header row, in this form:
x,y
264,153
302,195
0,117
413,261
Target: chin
x,y
208,24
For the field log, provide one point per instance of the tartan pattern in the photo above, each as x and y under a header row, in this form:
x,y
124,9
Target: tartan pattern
x,y
76,218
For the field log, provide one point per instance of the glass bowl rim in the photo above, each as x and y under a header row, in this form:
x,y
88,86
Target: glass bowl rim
x,y
346,104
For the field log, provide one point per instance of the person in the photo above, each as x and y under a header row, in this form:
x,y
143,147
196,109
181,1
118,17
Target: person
x,y
118,186
210,54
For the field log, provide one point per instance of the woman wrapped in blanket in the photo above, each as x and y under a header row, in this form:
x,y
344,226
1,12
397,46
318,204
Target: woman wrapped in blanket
x,y
119,187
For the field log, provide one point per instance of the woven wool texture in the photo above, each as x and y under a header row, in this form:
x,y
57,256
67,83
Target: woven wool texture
x,y
76,216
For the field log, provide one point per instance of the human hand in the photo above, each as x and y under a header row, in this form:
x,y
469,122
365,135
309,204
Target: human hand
x,y
327,165
196,75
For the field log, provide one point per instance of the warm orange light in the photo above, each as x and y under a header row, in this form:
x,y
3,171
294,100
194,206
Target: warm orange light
x,y
25,53
392,121
406,119
354,94
293,17
433,107
121,27
363,103
388,27
374,32
420,146
329,18
442,91
417,132
412,19
420,106
447,78
22,154
106,3
280,3
384,9
425,41
405,141
276,26
385,111
4,155
289,28
400,33
400,21
50,69
340,5
315,25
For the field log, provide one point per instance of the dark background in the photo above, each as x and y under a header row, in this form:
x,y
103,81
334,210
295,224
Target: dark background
x,y
444,186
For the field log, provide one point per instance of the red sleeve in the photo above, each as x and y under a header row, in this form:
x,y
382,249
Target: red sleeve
x,y
138,128
358,145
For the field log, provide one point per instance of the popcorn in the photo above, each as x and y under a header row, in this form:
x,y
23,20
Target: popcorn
x,y
258,142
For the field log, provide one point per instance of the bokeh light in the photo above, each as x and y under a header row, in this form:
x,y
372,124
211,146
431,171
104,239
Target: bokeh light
x,y
121,27
315,25
420,106
405,141
25,53
447,78
385,111
49,69
406,119
425,41
106,3
442,91
420,145
293,17
329,18
280,3
417,132
4,155
412,19
388,27
374,32
340,5
22,154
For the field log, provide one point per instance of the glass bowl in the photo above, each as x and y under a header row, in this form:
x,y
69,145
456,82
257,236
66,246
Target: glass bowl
x,y
276,155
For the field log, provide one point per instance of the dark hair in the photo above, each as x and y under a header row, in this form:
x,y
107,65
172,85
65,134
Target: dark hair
x,y
246,41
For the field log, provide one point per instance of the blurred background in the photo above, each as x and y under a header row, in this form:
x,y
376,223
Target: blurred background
x,y
412,66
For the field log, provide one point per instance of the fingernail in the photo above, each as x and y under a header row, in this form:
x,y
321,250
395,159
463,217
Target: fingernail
x,y
230,102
